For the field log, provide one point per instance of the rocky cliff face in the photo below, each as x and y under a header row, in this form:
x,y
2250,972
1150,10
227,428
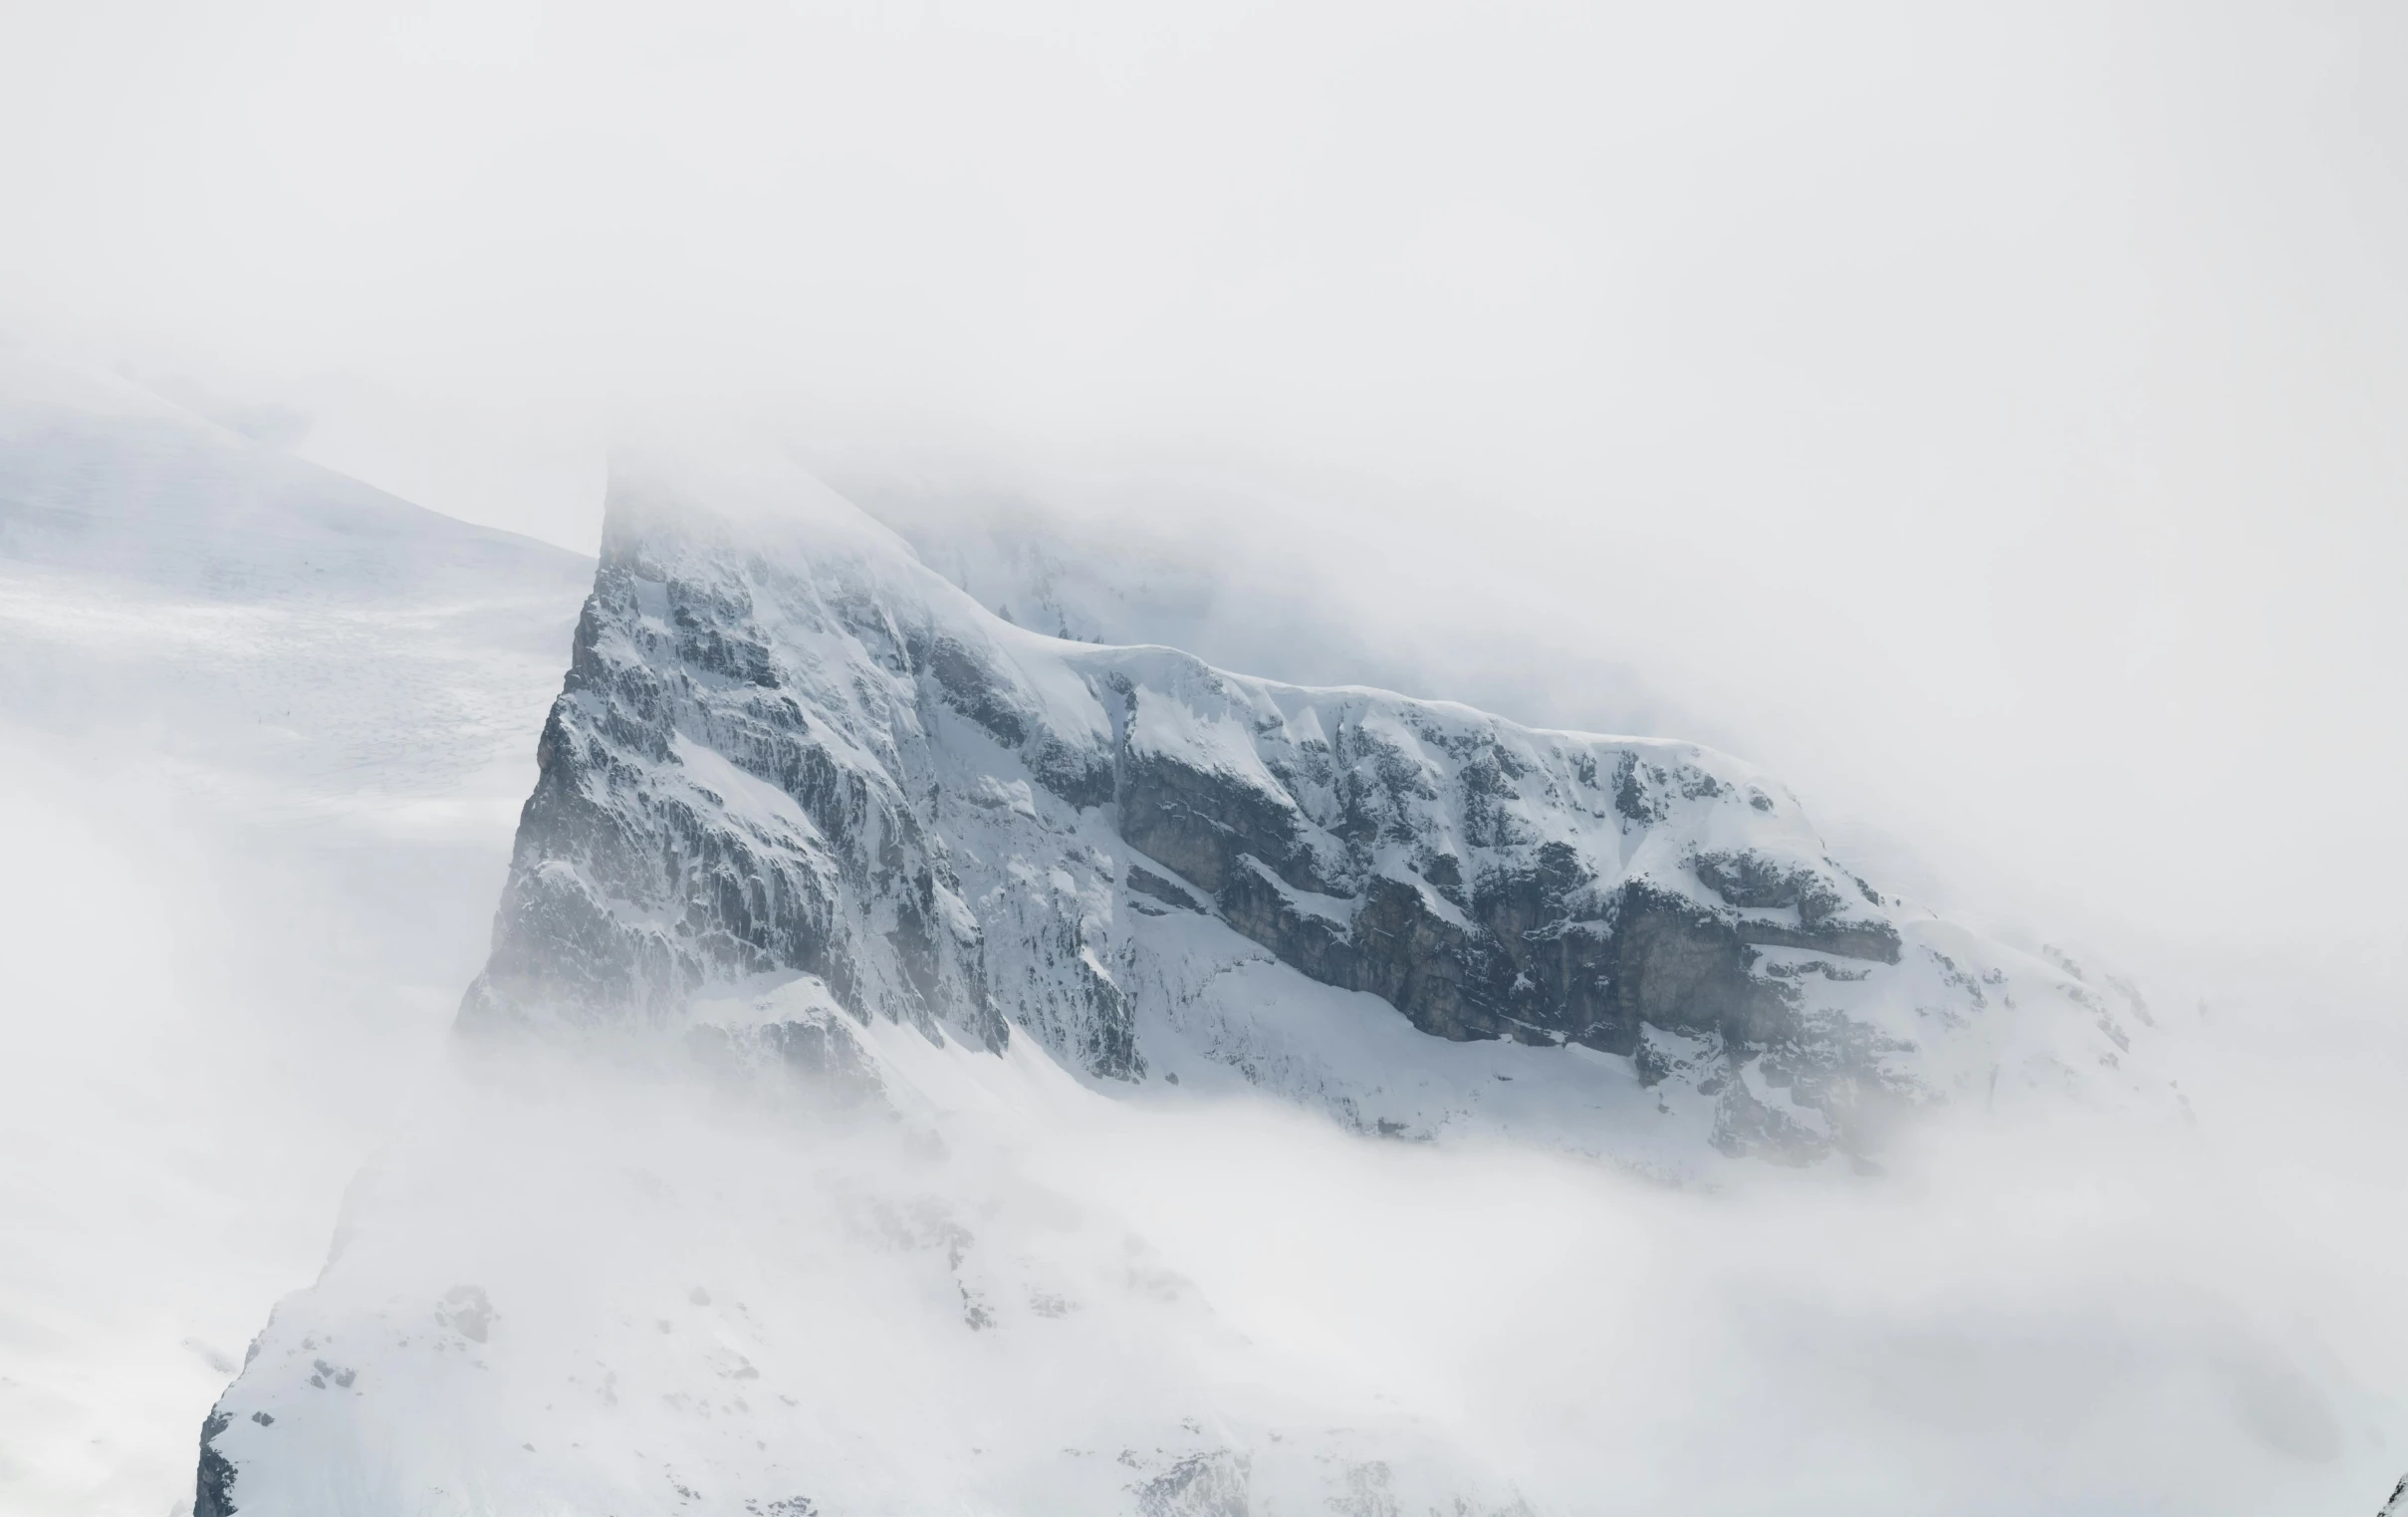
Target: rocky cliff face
x,y
787,754
806,810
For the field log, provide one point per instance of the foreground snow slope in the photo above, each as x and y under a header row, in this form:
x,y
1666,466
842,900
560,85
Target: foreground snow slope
x,y
587,1293
263,730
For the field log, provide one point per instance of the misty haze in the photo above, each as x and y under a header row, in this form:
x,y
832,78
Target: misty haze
x,y
1413,761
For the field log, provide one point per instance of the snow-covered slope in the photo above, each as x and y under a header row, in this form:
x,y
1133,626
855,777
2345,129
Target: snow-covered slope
x,y
262,733
279,633
600,1295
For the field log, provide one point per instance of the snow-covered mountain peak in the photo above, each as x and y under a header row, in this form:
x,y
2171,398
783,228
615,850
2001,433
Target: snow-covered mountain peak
x,y
815,836
788,749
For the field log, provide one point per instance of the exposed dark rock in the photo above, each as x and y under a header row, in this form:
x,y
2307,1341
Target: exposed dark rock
x,y
973,688
465,1310
1214,1484
1201,824
1146,882
1754,881
1369,1492
213,1488
817,1055
601,830
822,1049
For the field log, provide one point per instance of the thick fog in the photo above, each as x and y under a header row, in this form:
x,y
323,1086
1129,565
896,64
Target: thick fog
x,y
1984,420
1985,414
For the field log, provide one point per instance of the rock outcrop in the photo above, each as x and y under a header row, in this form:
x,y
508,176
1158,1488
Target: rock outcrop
x,y
786,748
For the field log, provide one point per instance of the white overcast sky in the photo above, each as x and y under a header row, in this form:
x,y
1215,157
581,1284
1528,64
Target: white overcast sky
x,y
1988,416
